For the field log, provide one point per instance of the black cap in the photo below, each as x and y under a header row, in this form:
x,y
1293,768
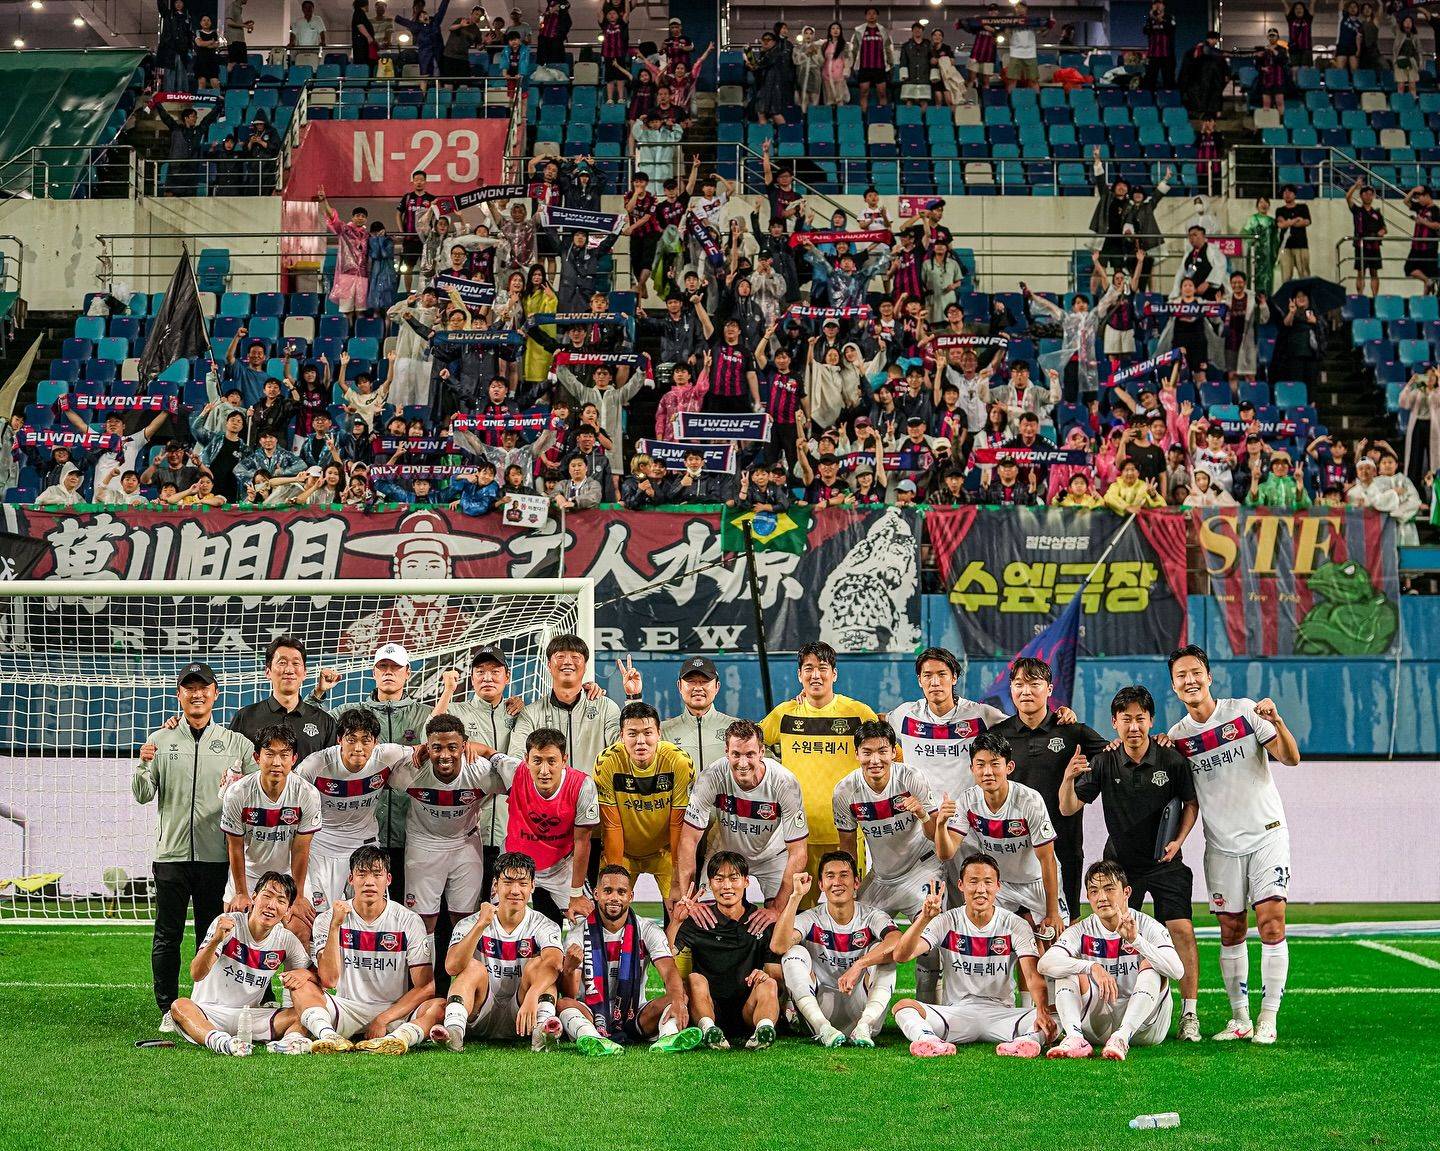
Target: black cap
x,y
698,665
200,671
914,421
489,655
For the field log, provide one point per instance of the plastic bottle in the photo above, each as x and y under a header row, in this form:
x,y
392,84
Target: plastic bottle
x,y
1148,1122
245,1039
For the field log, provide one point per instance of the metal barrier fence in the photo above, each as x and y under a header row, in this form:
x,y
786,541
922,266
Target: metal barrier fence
x,y
248,176
104,172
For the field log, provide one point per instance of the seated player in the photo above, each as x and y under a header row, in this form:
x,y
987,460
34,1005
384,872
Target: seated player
x,y
376,957
838,957
233,969
269,818
731,991
753,809
893,805
981,944
503,963
606,957
1008,822
445,791
350,778
644,787
1111,973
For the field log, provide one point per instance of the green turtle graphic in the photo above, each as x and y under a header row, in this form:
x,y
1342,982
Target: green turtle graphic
x,y
1353,619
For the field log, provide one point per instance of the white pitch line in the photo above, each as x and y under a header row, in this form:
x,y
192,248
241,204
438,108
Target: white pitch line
x,y
21,984
1400,953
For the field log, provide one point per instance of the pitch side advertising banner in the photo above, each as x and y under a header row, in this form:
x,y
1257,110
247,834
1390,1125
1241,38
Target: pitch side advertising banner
x,y
1009,571
857,585
375,158
1319,582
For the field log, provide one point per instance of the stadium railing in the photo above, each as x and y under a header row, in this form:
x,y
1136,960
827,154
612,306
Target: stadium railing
x,y
241,176
103,172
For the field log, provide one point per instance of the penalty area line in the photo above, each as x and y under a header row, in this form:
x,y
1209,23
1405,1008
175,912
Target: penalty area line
x,y
1399,953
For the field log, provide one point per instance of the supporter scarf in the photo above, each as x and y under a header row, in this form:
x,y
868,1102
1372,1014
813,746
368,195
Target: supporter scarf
x,y
576,319
750,426
580,220
945,341
447,205
1210,309
617,1006
718,457
852,460
592,359
177,102
810,312
518,422
419,445
1266,429
1029,457
481,338
1145,367
474,292
837,236
28,437
701,235
118,403
1010,22
418,471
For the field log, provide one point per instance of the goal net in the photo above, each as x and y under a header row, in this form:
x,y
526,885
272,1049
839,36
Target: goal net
x,y
86,676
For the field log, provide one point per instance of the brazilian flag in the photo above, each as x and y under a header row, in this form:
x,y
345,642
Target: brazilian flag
x,y
769,531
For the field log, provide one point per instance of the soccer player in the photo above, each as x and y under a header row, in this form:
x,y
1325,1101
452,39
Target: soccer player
x,y
813,735
376,957
313,727
233,968
981,945
350,777
837,958
503,962
1247,846
553,810
699,729
758,814
1140,786
445,791
1111,971
269,819
1008,822
935,730
731,991
603,979
643,785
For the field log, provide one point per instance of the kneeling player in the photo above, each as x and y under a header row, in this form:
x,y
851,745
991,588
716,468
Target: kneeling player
x,y
730,989
232,972
981,944
838,957
606,957
377,957
503,962
1111,971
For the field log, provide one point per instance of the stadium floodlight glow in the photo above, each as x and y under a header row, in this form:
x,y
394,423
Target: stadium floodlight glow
x,y
404,37
37,5
923,20
19,41
999,39
78,22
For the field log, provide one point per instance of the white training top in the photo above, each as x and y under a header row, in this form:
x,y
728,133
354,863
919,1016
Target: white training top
x,y
835,946
244,964
1239,803
350,800
895,840
506,953
1011,834
376,956
269,826
939,745
757,823
979,962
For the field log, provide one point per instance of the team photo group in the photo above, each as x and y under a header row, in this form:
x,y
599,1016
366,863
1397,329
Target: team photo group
x,y
801,861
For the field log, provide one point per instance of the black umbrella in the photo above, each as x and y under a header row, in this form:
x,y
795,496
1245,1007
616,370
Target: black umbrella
x,y
1325,296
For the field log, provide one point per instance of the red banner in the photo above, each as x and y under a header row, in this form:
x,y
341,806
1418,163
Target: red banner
x,y
375,158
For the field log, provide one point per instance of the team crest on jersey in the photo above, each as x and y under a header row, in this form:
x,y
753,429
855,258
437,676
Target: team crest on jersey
x,y
591,711
467,797
1229,733
409,899
1160,778
377,782
998,947
1217,899
290,815
272,960
1015,828
525,948
841,727
766,811
390,941
217,746
409,736
1056,745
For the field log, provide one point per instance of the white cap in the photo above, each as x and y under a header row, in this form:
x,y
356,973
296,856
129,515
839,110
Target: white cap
x,y
392,652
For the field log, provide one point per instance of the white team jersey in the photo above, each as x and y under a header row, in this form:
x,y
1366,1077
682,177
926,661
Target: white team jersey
x,y
1011,834
376,956
757,823
652,939
505,953
441,813
939,745
1217,464
1090,939
979,962
871,220
349,800
1239,803
110,466
895,840
244,964
833,947
706,209
269,826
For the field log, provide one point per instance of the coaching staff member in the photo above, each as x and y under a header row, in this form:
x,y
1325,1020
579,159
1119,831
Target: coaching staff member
x,y
313,727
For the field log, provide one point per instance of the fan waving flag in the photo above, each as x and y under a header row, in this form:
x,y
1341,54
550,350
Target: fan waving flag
x,y
785,531
178,330
1056,646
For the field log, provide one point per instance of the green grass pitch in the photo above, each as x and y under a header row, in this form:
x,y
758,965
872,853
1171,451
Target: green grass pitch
x,y
1355,1067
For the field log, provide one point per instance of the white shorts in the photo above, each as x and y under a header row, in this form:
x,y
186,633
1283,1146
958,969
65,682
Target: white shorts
x,y
1021,897
768,873
844,1011
495,1018
980,1021
1238,882
327,880
455,873
350,1017
227,1019
1101,1020
902,895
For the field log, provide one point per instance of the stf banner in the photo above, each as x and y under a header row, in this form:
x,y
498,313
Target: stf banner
x,y
1320,582
375,158
1009,571
857,584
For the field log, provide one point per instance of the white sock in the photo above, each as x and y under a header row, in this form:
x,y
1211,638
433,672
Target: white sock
x,y
668,1026
576,1024
1235,972
1026,999
759,1023
316,1020
544,1011
1141,1006
872,1019
1189,1007
455,1015
706,1023
913,1025
800,982
1067,1004
927,977
410,1034
1274,970
219,1042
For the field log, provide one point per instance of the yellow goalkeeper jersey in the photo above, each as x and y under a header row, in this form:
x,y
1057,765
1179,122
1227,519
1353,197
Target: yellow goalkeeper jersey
x,y
644,796
818,745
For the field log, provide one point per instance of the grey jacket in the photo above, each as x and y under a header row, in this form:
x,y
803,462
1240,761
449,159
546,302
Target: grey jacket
x,y
589,727
702,738
186,775
492,726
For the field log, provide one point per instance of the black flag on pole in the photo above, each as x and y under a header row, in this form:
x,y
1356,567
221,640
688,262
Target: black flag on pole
x,y
178,330
19,555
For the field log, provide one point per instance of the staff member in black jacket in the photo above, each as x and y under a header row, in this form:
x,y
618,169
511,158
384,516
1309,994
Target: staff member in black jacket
x,y
313,727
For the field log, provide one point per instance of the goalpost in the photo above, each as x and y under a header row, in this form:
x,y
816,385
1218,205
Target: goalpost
x,y
88,670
